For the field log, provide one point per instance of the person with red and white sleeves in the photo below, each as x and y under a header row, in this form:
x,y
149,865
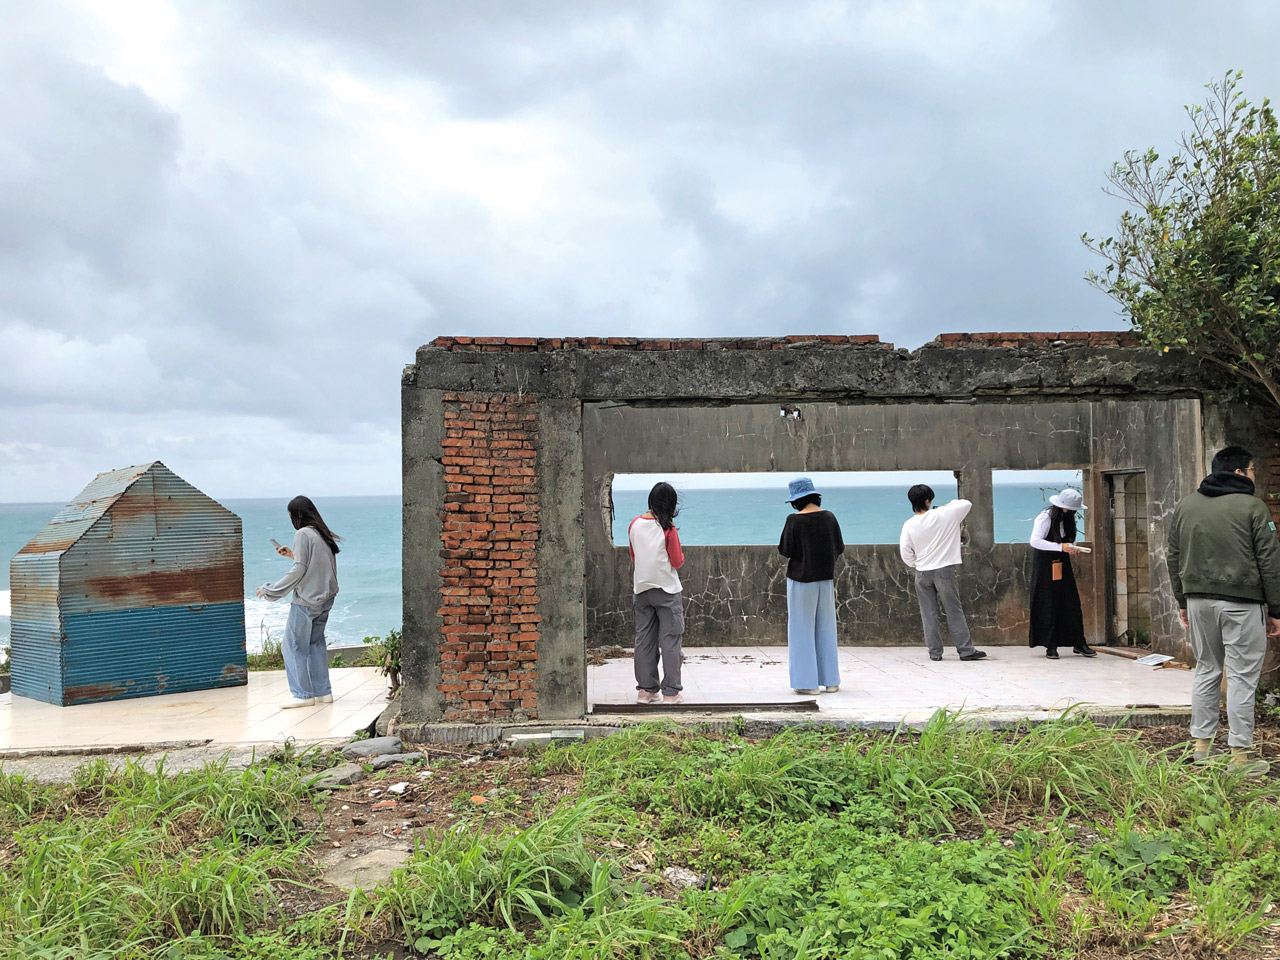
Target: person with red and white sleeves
x,y
659,609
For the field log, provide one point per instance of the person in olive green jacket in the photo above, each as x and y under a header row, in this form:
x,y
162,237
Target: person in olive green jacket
x,y
1224,561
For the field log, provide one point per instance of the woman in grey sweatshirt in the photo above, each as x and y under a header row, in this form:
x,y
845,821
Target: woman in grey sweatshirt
x,y
313,578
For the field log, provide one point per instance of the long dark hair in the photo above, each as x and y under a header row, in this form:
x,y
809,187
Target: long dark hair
x,y
1067,520
664,504
303,513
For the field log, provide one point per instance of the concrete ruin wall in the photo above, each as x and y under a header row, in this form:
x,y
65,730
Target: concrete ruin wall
x,y
510,445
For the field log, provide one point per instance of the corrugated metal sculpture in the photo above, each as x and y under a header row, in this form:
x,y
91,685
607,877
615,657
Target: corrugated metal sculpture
x,y
135,588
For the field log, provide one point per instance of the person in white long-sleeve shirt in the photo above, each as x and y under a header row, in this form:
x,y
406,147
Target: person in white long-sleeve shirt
x,y
1055,617
930,545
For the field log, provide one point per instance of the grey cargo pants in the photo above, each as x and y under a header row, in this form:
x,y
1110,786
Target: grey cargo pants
x,y
659,629
934,587
1230,633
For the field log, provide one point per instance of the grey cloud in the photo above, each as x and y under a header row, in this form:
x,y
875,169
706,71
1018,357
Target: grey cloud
x,y
234,270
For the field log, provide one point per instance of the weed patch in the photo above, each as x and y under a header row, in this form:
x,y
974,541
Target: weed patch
x,y
1064,840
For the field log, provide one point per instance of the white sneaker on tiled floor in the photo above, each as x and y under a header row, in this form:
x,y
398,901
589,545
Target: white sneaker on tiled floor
x,y
644,696
327,698
296,702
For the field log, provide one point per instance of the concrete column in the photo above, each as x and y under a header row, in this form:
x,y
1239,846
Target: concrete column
x,y
975,486
422,493
562,661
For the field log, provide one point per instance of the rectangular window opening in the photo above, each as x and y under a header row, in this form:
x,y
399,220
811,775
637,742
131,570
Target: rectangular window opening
x,y
1018,496
742,509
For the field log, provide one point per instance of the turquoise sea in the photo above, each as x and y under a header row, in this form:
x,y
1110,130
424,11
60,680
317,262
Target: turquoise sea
x,y
369,565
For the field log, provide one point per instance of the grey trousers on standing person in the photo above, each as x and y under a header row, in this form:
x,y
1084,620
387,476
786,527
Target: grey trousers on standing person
x,y
1230,633
659,630
934,587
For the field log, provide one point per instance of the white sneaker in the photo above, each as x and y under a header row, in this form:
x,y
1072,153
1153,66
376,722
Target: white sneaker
x,y
644,696
327,698
807,693
835,689
295,702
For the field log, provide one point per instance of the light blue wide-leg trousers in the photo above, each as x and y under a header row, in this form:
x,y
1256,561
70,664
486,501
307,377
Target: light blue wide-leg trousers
x,y
812,652
306,659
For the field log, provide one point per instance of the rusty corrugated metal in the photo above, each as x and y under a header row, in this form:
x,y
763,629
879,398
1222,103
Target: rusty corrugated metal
x,y
35,627
135,588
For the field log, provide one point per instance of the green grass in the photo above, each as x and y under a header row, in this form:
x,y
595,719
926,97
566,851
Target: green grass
x,y
137,862
951,843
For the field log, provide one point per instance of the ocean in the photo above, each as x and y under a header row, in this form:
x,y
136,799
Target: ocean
x,y
369,602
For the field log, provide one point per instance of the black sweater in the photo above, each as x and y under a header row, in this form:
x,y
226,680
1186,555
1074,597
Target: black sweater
x,y
811,542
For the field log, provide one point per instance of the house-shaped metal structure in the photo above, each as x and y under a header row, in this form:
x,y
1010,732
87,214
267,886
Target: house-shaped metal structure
x,y
135,588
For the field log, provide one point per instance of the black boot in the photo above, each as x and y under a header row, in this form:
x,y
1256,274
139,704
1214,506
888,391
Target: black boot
x,y
1084,650
1052,653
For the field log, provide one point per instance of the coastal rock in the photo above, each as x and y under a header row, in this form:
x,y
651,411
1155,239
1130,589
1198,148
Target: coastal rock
x,y
375,747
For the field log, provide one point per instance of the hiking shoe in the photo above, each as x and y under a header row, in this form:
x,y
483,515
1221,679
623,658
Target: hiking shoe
x,y
807,693
1252,768
976,655
1201,750
296,702
673,698
1052,653
1084,650
644,696
835,689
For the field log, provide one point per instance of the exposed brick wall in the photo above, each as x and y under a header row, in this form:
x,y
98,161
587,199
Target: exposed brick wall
x,y
1093,338
1082,338
546,344
489,523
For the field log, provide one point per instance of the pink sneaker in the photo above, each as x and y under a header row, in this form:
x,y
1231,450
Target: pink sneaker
x,y
644,696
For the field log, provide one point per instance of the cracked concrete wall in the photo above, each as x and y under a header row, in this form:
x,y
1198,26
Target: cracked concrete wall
x,y
738,594
966,402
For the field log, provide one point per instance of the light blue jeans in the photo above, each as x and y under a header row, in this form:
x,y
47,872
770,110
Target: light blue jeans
x,y
812,652
306,659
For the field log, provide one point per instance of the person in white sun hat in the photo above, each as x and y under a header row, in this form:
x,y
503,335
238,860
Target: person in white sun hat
x,y
1056,619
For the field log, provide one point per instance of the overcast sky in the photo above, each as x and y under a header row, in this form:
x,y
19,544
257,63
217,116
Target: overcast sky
x,y
225,226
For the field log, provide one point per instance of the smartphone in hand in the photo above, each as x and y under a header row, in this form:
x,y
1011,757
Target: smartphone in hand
x,y
276,543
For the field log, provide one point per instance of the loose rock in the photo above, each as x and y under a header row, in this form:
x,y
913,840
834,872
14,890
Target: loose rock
x,y
376,747
683,877
340,776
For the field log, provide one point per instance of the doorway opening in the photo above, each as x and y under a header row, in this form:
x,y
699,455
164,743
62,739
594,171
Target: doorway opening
x,y
1128,560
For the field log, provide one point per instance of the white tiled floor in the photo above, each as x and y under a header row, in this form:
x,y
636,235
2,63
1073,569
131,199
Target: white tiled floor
x,y
905,679
248,714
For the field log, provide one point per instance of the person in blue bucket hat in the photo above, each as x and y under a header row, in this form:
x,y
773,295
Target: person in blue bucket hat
x,y
811,542
1056,618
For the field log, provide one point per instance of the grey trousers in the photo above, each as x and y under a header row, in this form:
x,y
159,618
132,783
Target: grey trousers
x,y
934,587
659,630
1230,633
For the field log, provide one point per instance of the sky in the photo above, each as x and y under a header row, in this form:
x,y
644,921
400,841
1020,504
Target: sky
x,y
225,227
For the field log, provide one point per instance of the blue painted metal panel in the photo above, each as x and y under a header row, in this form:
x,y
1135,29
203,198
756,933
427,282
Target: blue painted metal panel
x,y
135,588
35,632
139,653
